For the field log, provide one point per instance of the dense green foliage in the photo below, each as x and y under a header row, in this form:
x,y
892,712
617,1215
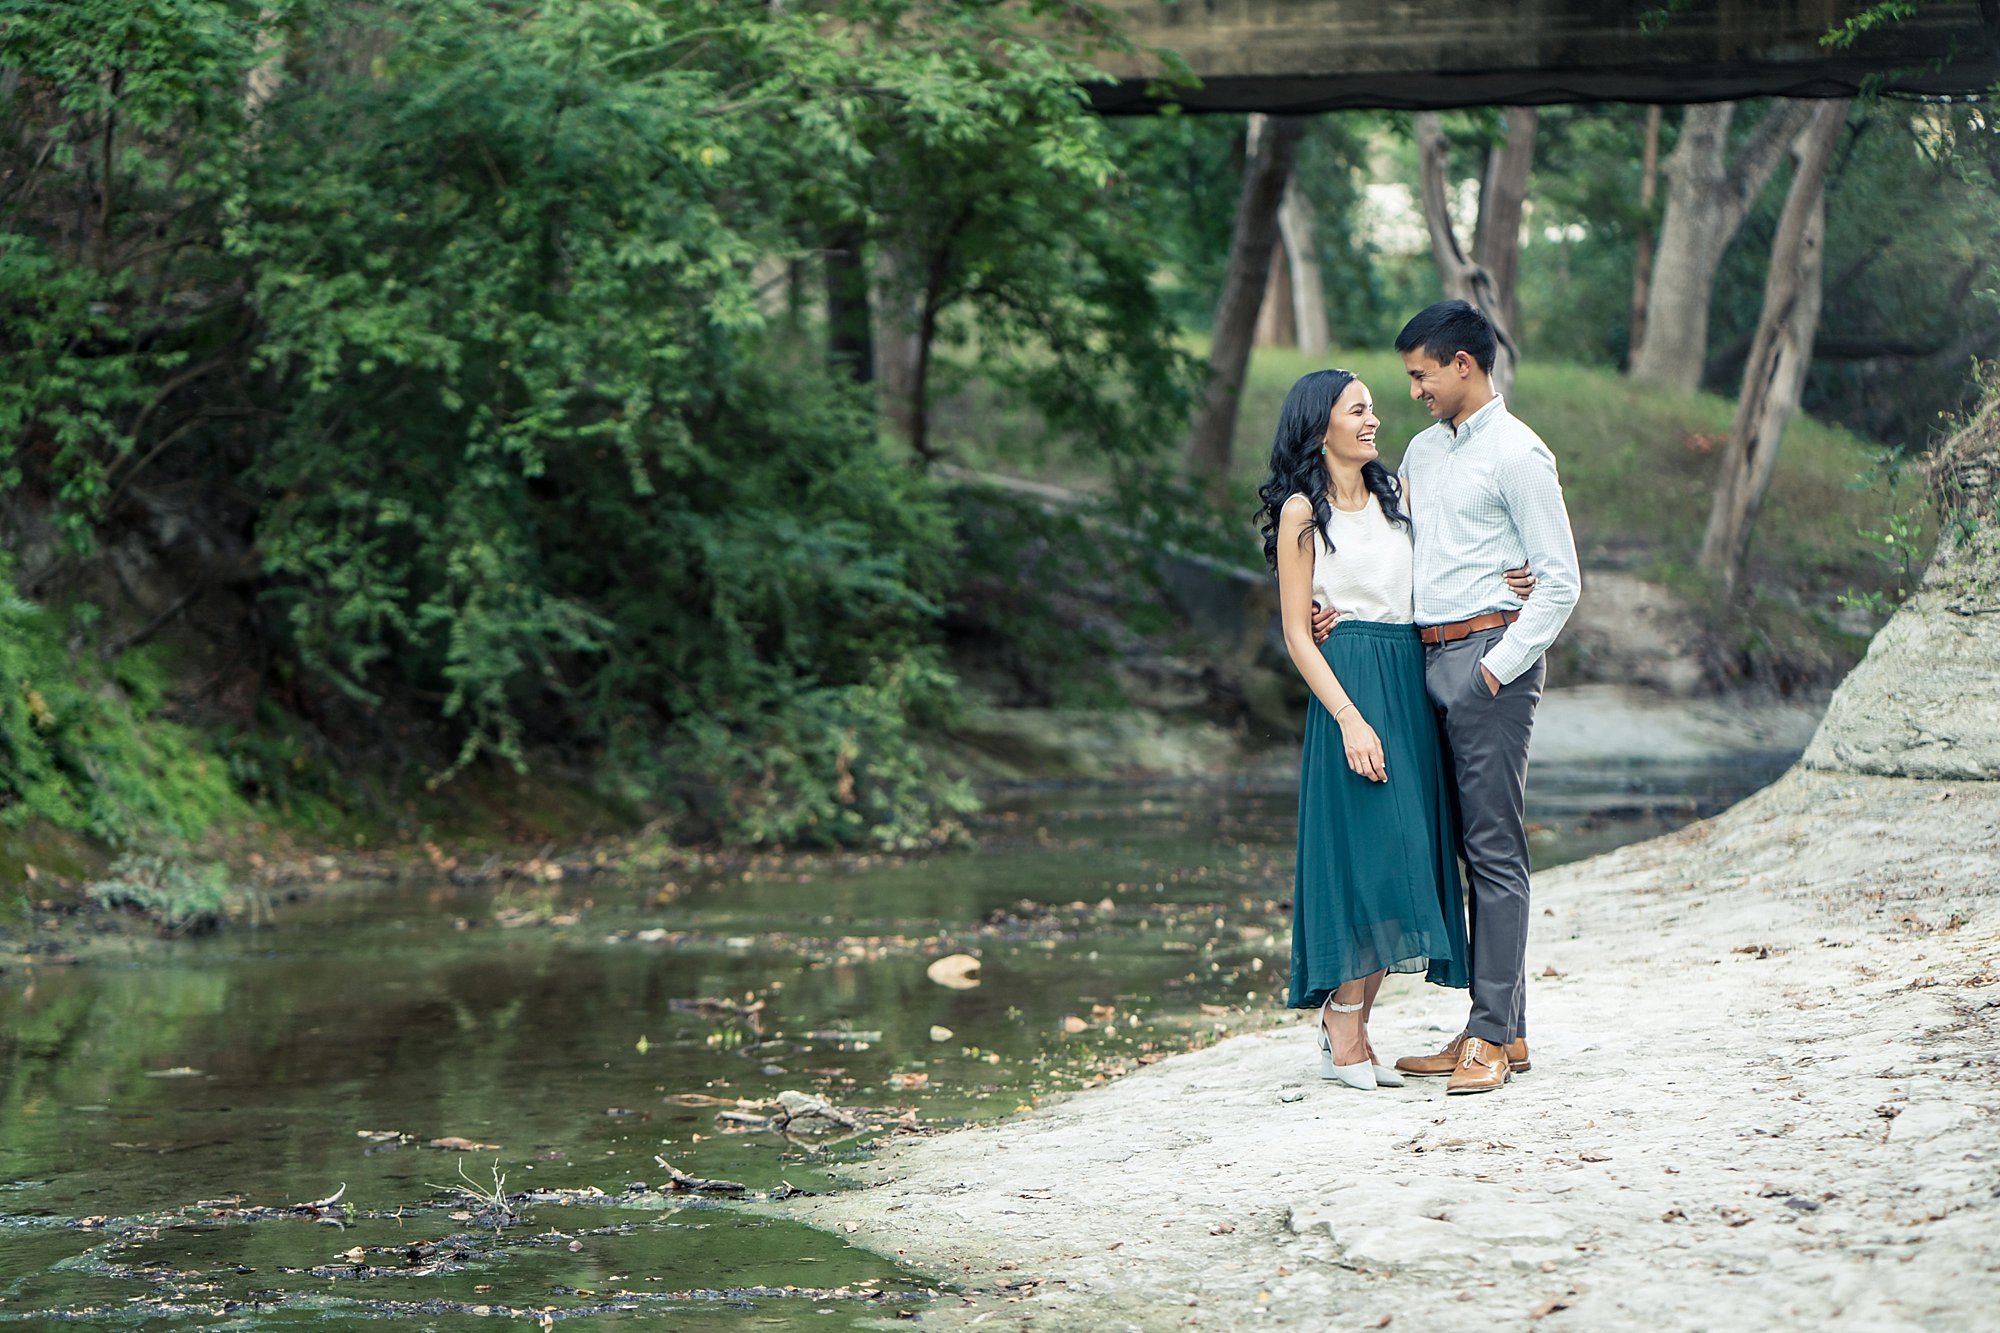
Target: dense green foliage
x,y
445,334
86,747
1020,257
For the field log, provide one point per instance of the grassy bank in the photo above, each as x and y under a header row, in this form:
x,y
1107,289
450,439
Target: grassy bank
x,y
1637,463
1637,467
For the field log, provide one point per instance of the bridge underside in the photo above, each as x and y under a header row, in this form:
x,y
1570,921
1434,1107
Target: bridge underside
x,y
1332,55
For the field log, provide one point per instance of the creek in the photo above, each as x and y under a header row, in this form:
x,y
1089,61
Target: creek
x,y
172,1128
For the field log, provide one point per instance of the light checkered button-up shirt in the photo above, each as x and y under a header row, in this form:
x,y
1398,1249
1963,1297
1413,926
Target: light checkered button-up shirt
x,y
1484,499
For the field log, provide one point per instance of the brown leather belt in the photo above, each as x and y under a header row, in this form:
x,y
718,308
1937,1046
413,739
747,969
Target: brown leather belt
x,y
1458,629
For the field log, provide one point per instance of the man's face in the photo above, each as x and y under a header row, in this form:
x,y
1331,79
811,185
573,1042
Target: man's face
x,y
1441,388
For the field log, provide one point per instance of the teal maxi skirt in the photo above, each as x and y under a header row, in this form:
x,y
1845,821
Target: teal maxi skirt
x,y
1377,886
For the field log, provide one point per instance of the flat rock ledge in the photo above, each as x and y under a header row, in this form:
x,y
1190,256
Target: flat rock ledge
x,y
1925,701
1766,1095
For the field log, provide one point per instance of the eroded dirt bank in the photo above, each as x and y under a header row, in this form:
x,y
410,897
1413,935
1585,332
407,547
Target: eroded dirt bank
x,y
1766,1094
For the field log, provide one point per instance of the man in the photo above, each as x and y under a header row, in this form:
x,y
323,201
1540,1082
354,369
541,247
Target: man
x,y
1483,491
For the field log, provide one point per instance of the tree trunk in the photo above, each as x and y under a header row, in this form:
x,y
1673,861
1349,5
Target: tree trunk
x,y
1295,227
1434,185
269,72
919,414
898,318
797,280
1272,146
1277,325
1496,242
1781,354
1707,199
850,341
911,292
1461,278
1642,256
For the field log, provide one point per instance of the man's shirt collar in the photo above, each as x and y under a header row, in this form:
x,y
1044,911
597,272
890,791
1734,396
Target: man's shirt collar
x,y
1477,422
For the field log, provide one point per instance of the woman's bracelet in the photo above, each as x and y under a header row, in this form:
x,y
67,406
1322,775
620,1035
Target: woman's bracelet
x,y
1343,708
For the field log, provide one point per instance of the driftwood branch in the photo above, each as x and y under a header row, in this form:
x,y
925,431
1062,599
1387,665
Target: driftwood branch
x,y
151,627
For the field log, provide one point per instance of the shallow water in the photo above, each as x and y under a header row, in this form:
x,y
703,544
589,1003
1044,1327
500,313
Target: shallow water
x,y
158,1119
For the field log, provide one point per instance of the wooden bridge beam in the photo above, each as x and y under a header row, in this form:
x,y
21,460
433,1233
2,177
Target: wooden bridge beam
x,y
1329,55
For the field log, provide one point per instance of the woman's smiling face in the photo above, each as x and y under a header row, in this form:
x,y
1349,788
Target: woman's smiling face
x,y
1350,429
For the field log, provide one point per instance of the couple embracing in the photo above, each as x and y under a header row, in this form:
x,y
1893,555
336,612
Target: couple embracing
x,y
1418,608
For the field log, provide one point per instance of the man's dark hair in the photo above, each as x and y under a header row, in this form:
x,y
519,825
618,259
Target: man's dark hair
x,y
1448,328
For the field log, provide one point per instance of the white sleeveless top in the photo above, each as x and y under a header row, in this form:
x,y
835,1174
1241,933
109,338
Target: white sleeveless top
x,y
1366,576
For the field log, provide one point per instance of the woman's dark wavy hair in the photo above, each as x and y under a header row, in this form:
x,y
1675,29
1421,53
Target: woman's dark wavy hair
x,y
1299,468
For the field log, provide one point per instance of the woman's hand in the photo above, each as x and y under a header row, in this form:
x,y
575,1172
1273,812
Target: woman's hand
x,y
1520,582
1364,747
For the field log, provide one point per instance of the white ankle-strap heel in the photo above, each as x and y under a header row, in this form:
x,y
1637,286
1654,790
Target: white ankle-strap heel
x,y
1360,1075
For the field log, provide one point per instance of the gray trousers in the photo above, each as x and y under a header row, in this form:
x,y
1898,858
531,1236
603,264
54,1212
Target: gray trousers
x,y
1486,736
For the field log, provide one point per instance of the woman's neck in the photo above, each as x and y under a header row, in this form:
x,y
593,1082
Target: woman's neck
x,y
1346,488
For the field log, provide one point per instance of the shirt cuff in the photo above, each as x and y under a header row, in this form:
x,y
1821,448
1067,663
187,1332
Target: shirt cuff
x,y
1504,660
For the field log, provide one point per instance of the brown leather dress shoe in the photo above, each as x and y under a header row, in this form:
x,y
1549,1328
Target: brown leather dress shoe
x,y
1433,1066
1482,1067
1446,1060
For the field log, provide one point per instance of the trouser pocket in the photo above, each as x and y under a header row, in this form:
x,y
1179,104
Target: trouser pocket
x,y
1476,679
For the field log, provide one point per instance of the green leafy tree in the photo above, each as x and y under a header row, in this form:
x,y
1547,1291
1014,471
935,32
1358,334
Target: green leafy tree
x,y
432,333
126,129
1003,231
508,268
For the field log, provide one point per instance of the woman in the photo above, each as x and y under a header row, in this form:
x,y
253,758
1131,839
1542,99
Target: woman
x,y
1377,887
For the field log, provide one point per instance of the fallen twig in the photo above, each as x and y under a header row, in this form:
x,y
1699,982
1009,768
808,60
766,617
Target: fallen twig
x,y
681,1182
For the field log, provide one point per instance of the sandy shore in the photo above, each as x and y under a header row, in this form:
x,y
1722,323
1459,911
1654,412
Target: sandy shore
x,y
1606,724
1766,1095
